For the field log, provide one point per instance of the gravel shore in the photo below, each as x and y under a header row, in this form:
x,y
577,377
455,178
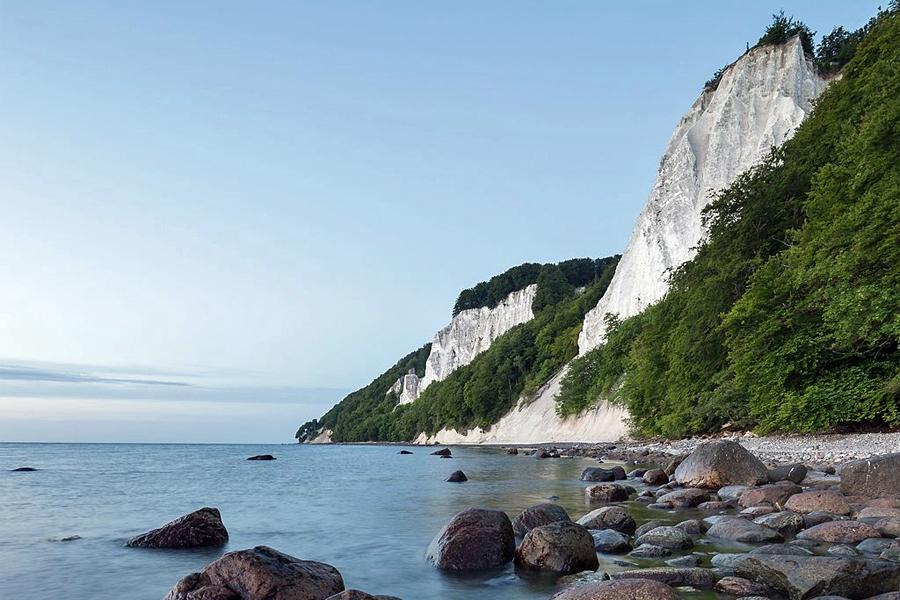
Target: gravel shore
x,y
832,448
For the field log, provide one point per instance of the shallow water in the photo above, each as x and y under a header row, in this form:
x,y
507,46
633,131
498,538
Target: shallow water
x,y
364,509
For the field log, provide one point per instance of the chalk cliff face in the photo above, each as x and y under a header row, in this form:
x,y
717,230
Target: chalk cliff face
x,y
759,102
470,333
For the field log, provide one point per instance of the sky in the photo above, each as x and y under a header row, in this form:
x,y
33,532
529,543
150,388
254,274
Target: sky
x,y
217,218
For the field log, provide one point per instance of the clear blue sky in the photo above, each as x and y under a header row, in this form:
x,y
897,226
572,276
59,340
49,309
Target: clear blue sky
x,y
270,203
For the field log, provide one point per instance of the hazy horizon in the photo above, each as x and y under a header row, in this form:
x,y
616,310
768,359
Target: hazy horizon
x,y
215,228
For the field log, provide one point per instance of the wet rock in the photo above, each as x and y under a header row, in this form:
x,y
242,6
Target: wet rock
x,y
562,547
725,563
714,506
404,452
756,511
538,515
512,451
786,523
839,532
649,551
619,473
638,473
888,527
794,472
691,527
358,595
201,528
674,464
891,553
610,541
675,576
606,492
656,477
457,477
775,494
802,577
720,463
742,530
260,573
738,586
874,546
623,589
691,560
671,538
732,492
597,474
685,498
23,470
874,477
476,538
648,526
609,517
262,457
815,518
843,550
820,501
782,549
442,452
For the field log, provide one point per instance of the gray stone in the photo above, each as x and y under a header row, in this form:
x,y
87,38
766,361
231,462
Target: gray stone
x,y
720,463
666,537
562,547
786,523
201,528
839,532
649,551
609,517
476,538
537,515
793,472
675,576
610,541
623,589
874,477
742,530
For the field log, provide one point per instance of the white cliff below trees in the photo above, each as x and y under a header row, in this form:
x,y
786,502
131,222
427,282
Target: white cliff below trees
x,y
469,333
759,102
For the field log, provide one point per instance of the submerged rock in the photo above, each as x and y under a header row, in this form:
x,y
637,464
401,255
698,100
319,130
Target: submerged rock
x,y
562,547
260,573
23,469
404,452
476,538
442,452
538,515
194,530
457,477
716,464
262,457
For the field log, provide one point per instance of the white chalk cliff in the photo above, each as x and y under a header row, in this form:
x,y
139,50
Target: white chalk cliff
x,y
759,102
469,333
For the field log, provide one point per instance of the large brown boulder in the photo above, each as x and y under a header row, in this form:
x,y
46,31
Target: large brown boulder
x,y
476,538
803,577
609,517
260,573
717,464
201,528
562,547
821,501
624,589
875,477
537,515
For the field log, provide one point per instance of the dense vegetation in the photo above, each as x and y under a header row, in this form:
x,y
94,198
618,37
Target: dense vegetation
x,y
788,318
577,272
517,363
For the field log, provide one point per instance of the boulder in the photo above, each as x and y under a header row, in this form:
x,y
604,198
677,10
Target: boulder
x,y
442,452
671,538
562,547
23,470
649,551
840,532
815,518
714,506
457,477
803,577
775,494
201,528
820,501
675,576
610,541
789,549
691,527
786,523
538,515
874,477
888,527
648,526
262,457
742,530
260,573
874,546
597,474
476,538
691,560
606,492
404,452
656,477
716,464
732,492
512,451
738,586
623,589
753,512
794,472
609,517
685,498
619,472
878,512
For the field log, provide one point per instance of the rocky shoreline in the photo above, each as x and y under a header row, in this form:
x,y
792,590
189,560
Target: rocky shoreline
x,y
718,519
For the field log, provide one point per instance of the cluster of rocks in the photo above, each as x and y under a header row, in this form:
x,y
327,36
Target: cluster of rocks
x,y
798,532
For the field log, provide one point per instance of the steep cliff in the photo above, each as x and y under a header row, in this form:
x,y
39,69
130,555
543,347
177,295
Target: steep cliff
x,y
760,100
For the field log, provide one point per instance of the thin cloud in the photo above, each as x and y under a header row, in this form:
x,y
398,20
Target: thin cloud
x,y
18,373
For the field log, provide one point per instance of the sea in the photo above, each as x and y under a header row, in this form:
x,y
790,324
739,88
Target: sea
x,y
366,509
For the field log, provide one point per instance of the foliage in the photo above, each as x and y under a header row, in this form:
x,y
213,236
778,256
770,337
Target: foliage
x,y
713,82
518,362
788,317
784,28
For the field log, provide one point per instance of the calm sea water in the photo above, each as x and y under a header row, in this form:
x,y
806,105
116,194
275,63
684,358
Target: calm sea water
x,y
364,509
